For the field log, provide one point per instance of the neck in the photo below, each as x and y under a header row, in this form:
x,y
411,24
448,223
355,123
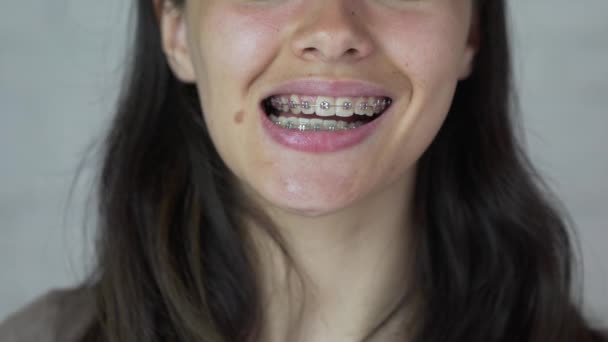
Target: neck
x,y
350,268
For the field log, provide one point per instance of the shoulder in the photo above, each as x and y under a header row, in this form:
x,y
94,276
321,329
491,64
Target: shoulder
x,y
59,315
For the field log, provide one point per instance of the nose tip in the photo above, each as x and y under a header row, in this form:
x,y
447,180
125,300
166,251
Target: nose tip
x,y
330,47
332,32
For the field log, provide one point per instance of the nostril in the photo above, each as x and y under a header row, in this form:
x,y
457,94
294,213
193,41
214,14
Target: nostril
x,y
310,53
314,53
351,51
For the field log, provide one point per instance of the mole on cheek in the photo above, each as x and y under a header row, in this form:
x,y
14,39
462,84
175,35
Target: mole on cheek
x,y
238,117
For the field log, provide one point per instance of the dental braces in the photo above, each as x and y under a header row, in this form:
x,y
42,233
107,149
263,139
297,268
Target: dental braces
x,y
378,104
317,127
303,124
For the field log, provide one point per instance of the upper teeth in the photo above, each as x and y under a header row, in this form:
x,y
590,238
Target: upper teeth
x,y
329,106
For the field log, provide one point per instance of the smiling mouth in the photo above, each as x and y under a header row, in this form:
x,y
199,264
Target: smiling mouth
x,y
324,113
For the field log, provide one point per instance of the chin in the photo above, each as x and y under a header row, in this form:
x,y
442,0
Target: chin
x,y
308,203
307,209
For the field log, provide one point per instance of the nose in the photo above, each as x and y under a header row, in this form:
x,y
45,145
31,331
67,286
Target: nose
x,y
331,31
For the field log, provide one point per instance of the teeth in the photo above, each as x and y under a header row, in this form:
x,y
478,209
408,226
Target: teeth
x,y
379,105
284,104
369,106
294,104
361,106
304,124
330,125
326,106
316,124
293,122
307,104
281,121
344,107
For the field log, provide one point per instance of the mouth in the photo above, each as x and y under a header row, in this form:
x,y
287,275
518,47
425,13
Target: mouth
x,y
323,113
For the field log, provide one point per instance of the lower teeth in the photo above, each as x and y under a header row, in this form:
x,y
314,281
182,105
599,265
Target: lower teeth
x,y
303,124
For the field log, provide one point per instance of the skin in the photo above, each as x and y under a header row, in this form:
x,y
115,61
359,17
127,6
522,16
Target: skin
x,y
345,215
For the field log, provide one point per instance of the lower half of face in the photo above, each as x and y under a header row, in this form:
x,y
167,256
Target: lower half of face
x,y
317,107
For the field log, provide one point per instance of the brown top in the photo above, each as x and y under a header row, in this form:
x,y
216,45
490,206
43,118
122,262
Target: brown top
x,y
58,316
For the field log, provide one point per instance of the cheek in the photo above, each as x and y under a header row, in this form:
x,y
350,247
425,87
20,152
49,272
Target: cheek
x,y
428,47
228,58
428,50
241,50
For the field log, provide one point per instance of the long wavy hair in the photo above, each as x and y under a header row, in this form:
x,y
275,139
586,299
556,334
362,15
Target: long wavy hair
x,y
494,261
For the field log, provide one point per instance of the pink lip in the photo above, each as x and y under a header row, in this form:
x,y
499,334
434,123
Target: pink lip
x,y
333,88
319,141
323,141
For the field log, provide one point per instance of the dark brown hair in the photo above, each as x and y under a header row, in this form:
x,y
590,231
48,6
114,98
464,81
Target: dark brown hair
x,y
495,255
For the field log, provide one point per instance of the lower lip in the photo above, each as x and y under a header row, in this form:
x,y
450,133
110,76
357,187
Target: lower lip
x,y
319,141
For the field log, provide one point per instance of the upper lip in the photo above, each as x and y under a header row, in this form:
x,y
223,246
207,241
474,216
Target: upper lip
x,y
327,87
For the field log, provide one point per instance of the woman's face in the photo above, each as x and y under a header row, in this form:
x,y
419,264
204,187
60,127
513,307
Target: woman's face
x,y
403,58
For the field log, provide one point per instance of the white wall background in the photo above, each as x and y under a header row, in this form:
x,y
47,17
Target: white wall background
x,y
60,65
